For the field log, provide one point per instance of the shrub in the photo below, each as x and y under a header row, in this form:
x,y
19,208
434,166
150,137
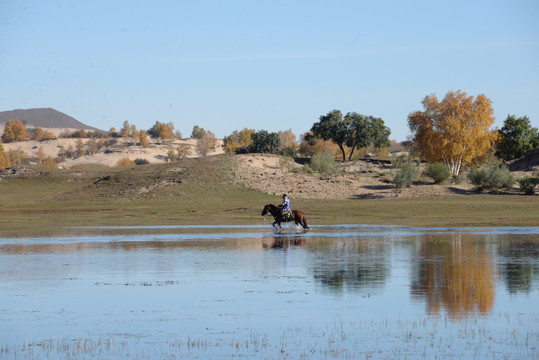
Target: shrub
x,y
438,172
323,163
456,179
172,156
528,184
125,162
407,170
492,178
286,163
405,174
141,162
289,152
49,162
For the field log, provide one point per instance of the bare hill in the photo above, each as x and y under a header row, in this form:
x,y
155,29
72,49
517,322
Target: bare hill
x,y
44,118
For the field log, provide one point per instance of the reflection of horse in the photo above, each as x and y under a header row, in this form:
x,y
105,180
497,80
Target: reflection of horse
x,y
286,242
297,216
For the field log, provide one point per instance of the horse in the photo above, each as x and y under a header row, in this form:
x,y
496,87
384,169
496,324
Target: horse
x,y
297,216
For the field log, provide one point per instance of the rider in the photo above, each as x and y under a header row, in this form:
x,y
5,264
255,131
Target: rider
x,y
285,207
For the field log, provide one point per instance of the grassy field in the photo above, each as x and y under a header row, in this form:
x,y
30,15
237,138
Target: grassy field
x,y
202,191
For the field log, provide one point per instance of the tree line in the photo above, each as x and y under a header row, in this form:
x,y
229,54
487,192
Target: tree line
x,y
455,131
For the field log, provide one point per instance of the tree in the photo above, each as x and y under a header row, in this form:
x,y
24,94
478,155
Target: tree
x,y
310,145
4,158
80,147
515,138
126,129
206,142
183,150
113,133
238,141
39,134
360,132
91,146
380,133
353,131
333,127
265,142
15,130
17,157
455,130
197,132
287,139
144,140
162,130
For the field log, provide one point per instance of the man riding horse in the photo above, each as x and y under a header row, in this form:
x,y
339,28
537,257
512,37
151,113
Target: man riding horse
x,y
285,208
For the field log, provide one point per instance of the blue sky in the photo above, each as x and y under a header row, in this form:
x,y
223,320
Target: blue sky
x,y
272,65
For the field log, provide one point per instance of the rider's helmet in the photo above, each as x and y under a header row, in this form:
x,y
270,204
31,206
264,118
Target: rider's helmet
x,y
284,196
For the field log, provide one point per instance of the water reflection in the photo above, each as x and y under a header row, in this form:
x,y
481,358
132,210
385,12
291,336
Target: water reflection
x,y
284,242
519,264
455,273
351,265
251,291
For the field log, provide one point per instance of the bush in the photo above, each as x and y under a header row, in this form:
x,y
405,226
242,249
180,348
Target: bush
x,y
405,174
528,184
125,162
438,172
323,163
492,178
289,152
407,170
286,163
141,162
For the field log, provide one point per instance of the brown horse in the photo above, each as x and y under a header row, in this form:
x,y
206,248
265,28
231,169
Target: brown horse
x,y
297,216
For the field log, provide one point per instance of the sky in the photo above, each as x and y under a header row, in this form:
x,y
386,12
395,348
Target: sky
x,y
264,65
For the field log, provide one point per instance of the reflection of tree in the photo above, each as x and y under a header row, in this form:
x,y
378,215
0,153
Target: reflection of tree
x,y
519,266
456,274
353,265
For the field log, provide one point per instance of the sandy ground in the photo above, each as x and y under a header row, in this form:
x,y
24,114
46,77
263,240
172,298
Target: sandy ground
x,y
156,153
355,180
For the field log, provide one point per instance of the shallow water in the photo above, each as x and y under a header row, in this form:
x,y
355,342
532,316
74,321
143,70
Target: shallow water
x,y
347,291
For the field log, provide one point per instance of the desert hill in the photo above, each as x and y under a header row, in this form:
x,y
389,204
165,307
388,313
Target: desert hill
x,y
44,118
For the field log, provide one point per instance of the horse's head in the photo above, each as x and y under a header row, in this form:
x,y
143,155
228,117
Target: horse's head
x,y
266,209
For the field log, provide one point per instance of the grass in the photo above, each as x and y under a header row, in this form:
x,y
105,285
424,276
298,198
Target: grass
x,y
202,191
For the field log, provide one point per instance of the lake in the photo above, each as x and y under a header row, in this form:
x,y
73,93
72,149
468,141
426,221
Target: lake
x,y
336,292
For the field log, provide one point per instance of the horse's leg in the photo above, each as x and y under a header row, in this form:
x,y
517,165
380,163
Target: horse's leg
x,y
304,223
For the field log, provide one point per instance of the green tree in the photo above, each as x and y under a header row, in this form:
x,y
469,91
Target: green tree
x,y
334,127
380,133
360,132
265,142
353,131
366,131
197,132
515,138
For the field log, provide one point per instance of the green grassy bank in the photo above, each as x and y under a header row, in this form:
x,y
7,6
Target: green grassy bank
x,y
202,191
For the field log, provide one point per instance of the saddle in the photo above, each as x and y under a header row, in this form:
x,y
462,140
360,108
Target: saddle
x,y
287,215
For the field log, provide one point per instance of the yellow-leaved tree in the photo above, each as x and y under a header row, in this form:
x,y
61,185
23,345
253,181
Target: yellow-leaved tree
x,y
455,130
4,159
15,130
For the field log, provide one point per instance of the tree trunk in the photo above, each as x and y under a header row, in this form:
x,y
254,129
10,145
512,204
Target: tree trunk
x,y
343,152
